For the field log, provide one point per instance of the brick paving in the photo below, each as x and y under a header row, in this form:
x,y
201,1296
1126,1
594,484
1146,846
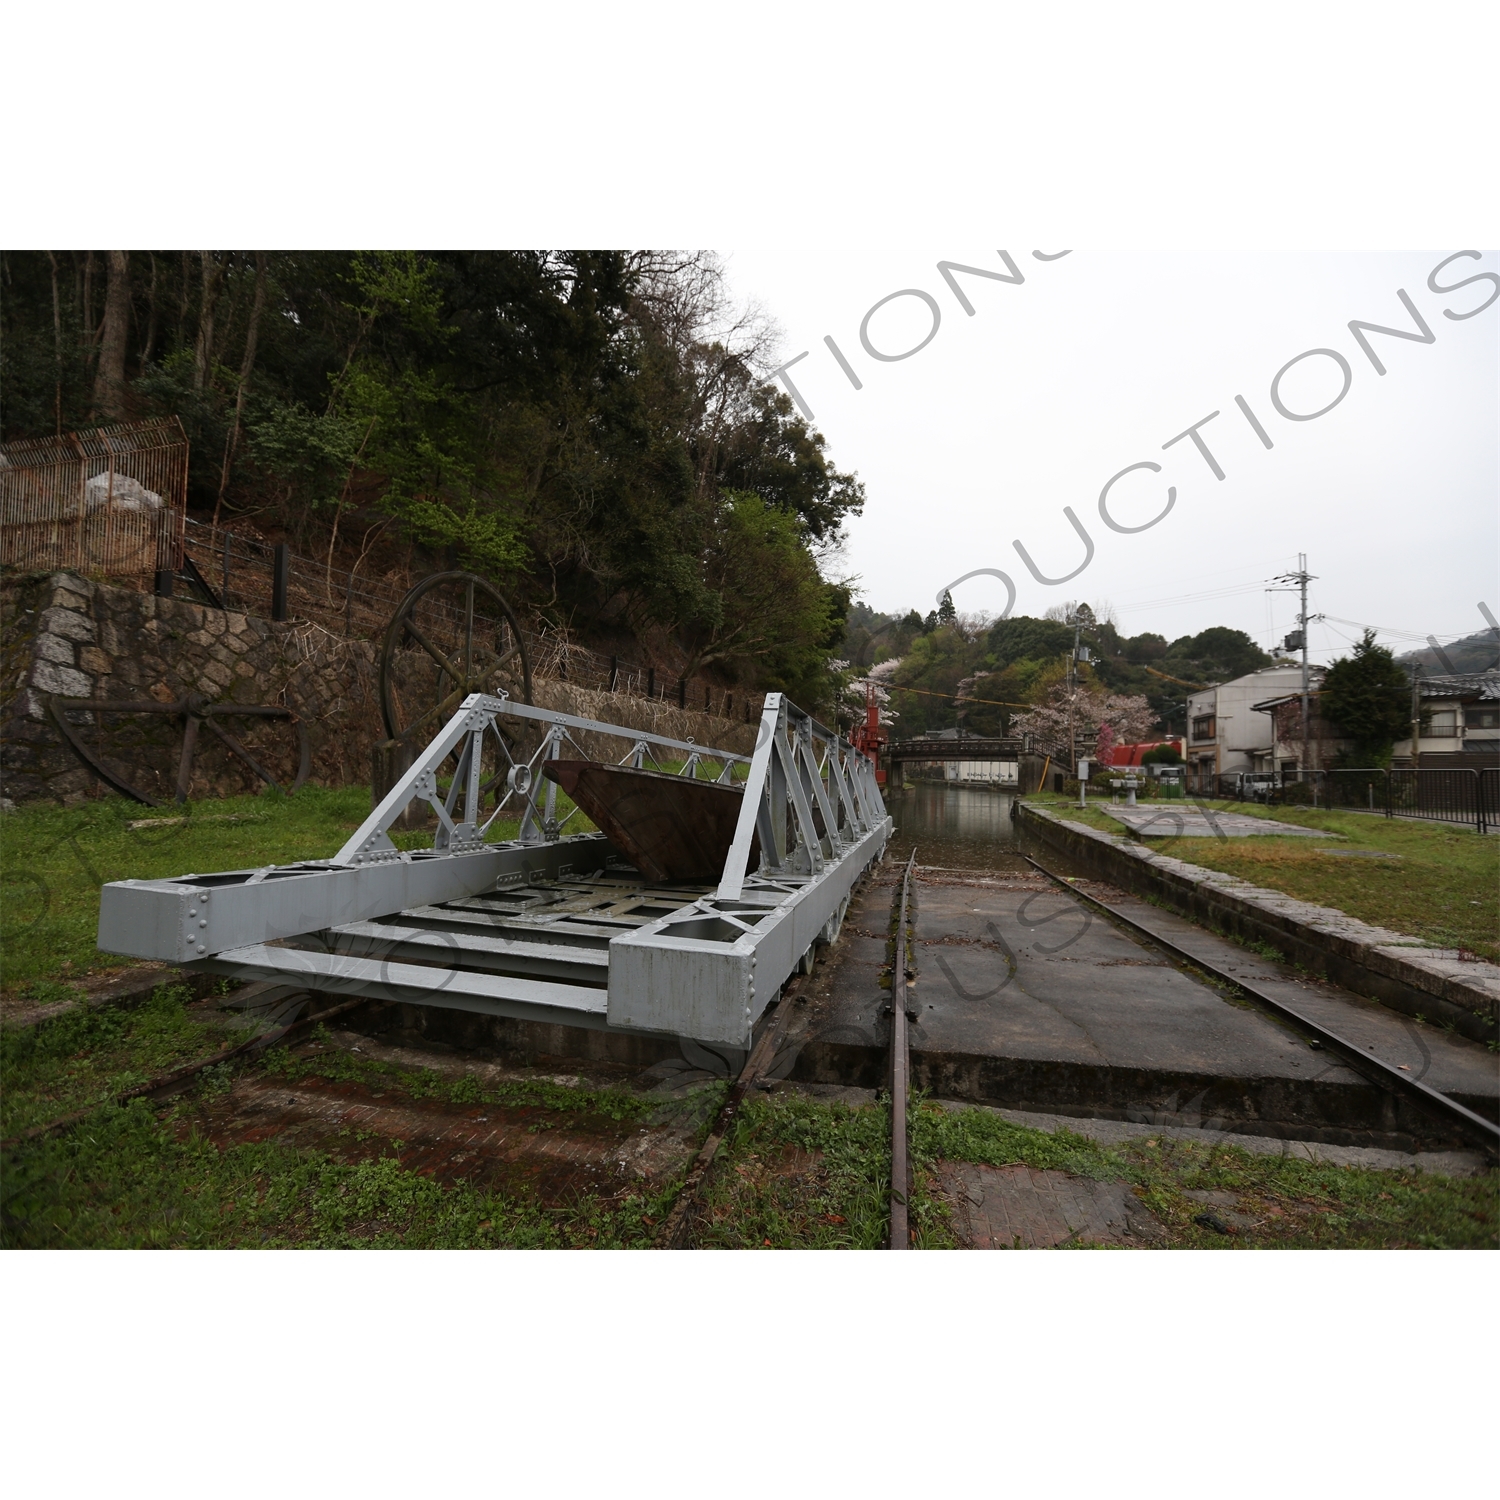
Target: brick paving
x,y
1022,1208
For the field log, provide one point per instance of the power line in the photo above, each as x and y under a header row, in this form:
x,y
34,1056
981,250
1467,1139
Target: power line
x,y
1240,567
892,687
1197,598
1407,635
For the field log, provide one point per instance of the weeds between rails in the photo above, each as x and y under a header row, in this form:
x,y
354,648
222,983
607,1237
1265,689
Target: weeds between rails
x,y
792,1172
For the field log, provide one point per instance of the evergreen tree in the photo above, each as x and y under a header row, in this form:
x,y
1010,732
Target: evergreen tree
x,y
1367,698
590,428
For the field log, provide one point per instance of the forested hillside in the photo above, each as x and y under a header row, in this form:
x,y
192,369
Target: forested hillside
x,y
590,429
970,671
1479,652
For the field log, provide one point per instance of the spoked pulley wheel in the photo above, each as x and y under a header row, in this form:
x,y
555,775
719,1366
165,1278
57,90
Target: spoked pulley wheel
x,y
453,634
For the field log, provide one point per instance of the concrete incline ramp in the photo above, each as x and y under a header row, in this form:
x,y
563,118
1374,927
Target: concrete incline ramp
x,y
1027,999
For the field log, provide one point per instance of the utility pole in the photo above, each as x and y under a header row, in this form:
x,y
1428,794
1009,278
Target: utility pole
x,y
1077,619
1416,714
1072,695
1073,620
1302,621
1300,580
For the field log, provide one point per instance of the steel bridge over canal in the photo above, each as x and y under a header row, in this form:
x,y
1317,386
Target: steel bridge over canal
x,y
973,760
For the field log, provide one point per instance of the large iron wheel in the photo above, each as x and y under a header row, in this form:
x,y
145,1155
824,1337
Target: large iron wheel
x,y
453,634
195,711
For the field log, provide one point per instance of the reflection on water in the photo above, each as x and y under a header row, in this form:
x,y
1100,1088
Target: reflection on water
x,y
955,826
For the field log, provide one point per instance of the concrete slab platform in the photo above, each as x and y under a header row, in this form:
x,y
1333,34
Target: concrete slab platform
x,y
1042,976
1027,999
1155,821
1401,971
1023,1208
1450,1063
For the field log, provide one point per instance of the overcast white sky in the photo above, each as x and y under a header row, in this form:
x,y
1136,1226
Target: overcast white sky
x,y
837,153
1176,130
1100,358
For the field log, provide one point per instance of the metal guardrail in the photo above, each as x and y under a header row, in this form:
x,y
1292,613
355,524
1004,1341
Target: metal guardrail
x,y
929,748
1441,794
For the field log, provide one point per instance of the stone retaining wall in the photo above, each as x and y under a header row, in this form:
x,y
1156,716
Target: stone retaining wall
x,y
68,635
1391,967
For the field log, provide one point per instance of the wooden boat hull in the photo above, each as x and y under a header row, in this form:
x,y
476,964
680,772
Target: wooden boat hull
x,y
674,829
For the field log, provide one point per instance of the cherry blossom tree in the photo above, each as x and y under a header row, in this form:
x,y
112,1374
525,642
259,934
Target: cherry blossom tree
x,y
1084,710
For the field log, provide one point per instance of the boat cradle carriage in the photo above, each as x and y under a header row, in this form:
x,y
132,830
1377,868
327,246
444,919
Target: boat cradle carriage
x,y
683,917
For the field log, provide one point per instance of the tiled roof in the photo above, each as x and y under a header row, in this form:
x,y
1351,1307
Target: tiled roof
x,y
1482,685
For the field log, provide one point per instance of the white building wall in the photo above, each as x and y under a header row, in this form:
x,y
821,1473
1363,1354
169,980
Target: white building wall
x,y
988,771
1467,727
1243,740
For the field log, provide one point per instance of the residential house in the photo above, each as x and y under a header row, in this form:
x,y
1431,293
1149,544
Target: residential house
x,y
1231,725
1324,744
1460,721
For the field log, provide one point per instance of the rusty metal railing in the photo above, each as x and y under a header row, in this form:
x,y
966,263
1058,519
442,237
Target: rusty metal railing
x,y
110,501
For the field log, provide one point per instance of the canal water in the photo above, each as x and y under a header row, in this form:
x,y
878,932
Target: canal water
x,y
956,827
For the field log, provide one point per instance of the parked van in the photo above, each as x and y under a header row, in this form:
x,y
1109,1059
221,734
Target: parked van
x,y
1256,786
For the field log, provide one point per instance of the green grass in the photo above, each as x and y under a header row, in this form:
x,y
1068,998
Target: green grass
x,y
140,1176
87,1057
797,1174
1444,887
125,1180
1065,807
793,1173
800,1174
53,861
1298,1204
427,1083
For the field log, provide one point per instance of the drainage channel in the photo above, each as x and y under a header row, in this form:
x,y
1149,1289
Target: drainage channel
x,y
1474,1127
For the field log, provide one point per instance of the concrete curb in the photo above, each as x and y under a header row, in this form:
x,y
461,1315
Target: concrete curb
x,y
1387,966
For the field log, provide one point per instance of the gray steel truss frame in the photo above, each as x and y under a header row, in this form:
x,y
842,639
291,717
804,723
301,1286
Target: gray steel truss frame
x,y
401,925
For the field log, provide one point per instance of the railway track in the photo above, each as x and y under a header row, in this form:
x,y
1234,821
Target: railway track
x,y
900,1237
677,1229
455,1142
1474,1127
178,1079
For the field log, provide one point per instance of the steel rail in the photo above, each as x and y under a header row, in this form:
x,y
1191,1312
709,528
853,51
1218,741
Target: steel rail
x,y
179,1078
676,1229
1485,1133
900,1072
